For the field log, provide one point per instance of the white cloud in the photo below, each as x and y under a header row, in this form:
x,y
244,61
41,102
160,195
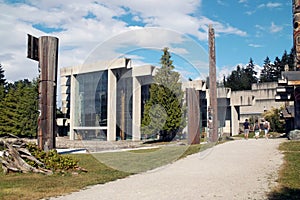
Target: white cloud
x,y
79,35
273,5
270,5
255,45
275,28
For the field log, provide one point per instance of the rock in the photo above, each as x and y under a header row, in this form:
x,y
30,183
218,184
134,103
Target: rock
x,y
294,135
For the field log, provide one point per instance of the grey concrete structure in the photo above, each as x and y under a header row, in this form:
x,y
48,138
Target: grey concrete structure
x,y
92,99
235,106
104,100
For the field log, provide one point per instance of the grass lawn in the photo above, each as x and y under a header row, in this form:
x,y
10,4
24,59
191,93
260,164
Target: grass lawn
x,y
36,186
138,161
289,176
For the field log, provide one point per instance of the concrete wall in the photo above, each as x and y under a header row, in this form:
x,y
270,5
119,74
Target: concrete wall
x,y
263,99
141,75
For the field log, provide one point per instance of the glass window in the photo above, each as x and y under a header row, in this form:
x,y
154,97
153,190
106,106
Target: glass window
x,y
91,99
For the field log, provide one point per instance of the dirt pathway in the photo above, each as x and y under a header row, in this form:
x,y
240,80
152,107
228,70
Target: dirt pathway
x,y
241,169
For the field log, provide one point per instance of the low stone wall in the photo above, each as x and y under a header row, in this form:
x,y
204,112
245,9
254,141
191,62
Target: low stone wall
x,y
95,145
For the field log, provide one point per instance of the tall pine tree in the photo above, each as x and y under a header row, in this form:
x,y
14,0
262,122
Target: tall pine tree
x,y
249,75
19,109
164,111
267,71
241,78
2,83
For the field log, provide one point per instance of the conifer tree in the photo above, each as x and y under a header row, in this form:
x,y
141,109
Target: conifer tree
x,y
164,111
2,83
2,79
19,109
241,78
267,71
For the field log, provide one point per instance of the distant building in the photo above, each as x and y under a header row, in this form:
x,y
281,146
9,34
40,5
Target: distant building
x,y
236,106
105,101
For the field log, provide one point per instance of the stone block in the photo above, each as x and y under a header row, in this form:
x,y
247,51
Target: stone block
x,y
294,135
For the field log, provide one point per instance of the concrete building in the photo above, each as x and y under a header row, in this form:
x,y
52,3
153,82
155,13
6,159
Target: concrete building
x,y
253,103
236,106
105,101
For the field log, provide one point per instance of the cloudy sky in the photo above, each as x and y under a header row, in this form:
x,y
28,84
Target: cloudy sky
x,y
139,29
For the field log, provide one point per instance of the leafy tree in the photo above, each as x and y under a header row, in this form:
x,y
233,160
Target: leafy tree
x,y
164,111
273,116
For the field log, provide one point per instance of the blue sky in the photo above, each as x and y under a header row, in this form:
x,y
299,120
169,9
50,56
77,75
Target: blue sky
x,y
139,29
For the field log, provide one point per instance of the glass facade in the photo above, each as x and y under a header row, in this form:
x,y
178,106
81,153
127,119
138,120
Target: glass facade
x,y
90,111
124,107
91,104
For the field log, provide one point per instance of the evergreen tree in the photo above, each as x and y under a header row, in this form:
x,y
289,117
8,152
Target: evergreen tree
x,y
275,73
19,109
2,83
164,111
265,75
250,75
2,79
234,78
291,60
241,78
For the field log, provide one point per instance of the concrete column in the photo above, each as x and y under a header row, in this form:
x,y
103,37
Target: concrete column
x,y
111,106
137,109
234,121
72,109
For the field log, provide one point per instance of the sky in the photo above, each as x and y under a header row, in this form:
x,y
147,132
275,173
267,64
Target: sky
x,y
90,30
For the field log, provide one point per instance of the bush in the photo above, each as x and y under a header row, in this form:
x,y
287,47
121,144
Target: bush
x,y
51,159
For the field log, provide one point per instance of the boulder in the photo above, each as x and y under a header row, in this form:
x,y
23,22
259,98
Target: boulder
x,y
294,135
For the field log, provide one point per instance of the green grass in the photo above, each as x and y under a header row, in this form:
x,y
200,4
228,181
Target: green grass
x,y
289,176
36,186
137,161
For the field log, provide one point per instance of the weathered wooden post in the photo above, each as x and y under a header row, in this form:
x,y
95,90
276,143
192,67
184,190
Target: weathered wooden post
x,y
213,86
45,50
193,113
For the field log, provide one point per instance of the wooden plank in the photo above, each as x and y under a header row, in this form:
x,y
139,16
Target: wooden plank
x,y
193,116
32,47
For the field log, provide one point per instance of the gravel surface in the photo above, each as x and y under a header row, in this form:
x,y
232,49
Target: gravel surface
x,y
240,169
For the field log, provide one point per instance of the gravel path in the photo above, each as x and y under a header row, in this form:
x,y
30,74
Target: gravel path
x,y
240,169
